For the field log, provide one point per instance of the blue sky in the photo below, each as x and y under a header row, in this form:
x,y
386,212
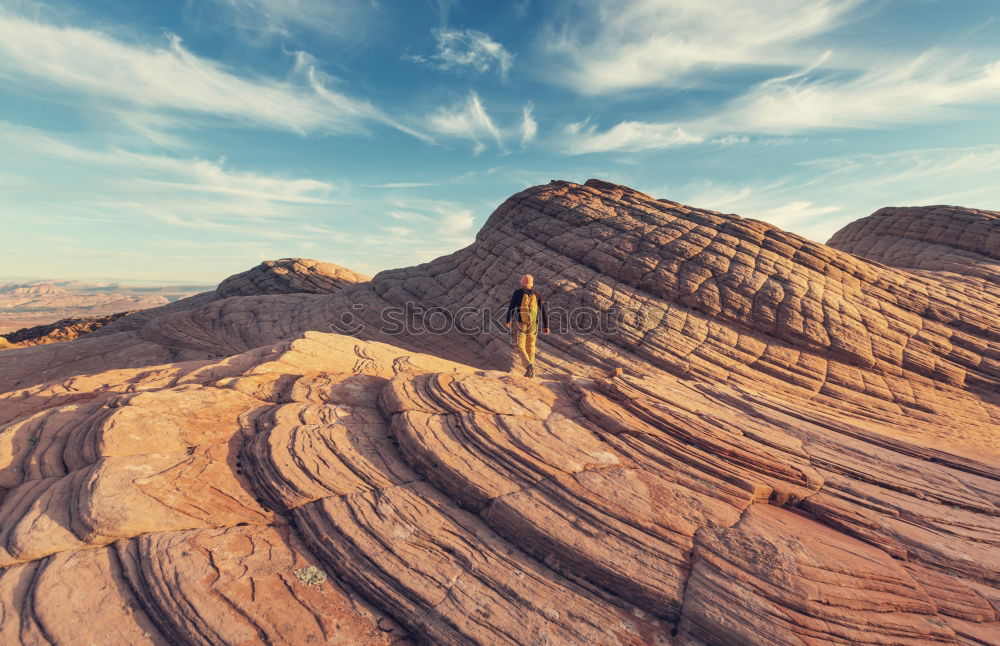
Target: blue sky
x,y
187,141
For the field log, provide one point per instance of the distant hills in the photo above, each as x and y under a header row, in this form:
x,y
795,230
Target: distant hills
x,y
39,302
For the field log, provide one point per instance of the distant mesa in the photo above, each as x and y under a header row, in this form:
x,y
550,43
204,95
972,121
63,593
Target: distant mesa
x,y
764,440
43,289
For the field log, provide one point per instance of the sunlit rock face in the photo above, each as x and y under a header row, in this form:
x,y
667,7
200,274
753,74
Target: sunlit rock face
x,y
289,276
777,442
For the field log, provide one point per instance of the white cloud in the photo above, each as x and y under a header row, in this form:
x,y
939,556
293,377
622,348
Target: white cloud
x,y
342,19
157,128
180,173
408,216
925,88
930,87
445,221
790,213
114,200
466,120
730,140
115,188
399,185
813,201
399,232
779,203
170,80
612,45
529,127
455,223
629,136
467,48
926,175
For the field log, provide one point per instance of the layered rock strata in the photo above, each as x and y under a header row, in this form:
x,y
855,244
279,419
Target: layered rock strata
x,y
800,446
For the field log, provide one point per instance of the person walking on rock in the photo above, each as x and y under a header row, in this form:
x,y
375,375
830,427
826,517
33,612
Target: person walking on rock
x,y
525,306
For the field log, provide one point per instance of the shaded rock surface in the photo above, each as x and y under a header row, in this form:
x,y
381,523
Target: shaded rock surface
x,y
781,442
64,330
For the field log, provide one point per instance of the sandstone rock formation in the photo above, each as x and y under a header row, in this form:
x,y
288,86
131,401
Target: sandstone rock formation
x,y
289,276
64,330
777,442
941,239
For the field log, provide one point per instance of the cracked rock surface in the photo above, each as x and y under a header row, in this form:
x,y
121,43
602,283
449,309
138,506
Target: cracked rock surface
x,y
800,445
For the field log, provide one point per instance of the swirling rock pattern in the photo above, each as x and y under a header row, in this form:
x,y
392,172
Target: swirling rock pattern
x,y
799,446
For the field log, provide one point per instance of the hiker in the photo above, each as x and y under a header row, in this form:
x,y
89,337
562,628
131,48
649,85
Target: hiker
x,y
525,305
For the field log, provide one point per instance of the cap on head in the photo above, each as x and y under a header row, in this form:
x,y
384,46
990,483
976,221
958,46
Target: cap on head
x,y
527,281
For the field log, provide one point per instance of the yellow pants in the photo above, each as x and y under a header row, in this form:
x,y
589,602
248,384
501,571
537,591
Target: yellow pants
x,y
525,337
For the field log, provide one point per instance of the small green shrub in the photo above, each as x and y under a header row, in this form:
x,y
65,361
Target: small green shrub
x,y
311,575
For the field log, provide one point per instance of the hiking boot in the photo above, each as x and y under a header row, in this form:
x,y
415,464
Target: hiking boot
x,y
530,372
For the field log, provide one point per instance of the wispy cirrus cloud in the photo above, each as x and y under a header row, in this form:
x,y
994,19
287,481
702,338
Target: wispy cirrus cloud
x,y
188,174
928,87
775,203
456,222
104,193
399,185
466,49
812,202
468,119
120,190
168,80
963,175
422,229
268,18
451,222
631,136
607,46
529,127
933,86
